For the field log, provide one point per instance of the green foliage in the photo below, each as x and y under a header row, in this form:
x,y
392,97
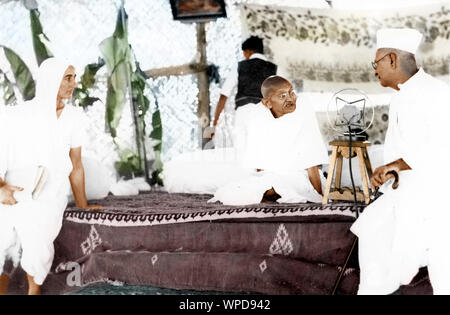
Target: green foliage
x,y
129,163
22,75
124,74
141,103
87,81
156,136
157,168
157,132
9,96
117,55
138,84
40,49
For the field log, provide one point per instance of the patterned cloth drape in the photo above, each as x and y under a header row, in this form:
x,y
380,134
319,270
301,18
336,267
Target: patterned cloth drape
x,y
327,48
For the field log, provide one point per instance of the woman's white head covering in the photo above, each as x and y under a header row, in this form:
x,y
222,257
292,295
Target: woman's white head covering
x,y
33,138
48,80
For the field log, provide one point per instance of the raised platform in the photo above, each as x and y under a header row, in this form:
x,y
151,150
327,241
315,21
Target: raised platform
x,y
180,241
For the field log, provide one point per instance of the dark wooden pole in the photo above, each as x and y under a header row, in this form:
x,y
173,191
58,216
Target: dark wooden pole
x,y
203,109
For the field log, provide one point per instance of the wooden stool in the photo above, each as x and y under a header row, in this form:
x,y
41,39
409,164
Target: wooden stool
x,y
341,150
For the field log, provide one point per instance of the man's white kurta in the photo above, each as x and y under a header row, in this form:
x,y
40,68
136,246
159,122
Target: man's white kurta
x,y
282,147
409,227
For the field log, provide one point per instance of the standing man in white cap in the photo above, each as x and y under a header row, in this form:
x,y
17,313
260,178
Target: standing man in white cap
x,y
408,228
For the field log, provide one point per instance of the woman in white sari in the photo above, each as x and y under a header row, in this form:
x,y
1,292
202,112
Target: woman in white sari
x,y
29,138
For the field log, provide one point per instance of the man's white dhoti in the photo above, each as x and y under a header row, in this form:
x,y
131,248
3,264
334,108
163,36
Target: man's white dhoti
x,y
283,148
30,138
409,227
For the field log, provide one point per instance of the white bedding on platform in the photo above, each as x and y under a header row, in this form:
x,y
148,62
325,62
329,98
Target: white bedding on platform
x,y
202,172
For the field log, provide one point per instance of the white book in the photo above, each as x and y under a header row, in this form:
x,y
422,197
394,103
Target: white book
x,y
31,179
41,179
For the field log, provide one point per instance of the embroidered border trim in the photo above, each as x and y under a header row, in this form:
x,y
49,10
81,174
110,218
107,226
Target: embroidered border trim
x,y
124,220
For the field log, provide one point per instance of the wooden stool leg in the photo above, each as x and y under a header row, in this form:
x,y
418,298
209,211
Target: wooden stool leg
x,y
363,171
367,161
330,176
337,177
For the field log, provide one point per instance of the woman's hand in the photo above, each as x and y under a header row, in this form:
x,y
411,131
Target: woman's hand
x,y
7,193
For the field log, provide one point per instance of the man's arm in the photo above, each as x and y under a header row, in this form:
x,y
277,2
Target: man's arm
x,y
77,181
314,178
7,193
209,132
228,86
219,109
380,175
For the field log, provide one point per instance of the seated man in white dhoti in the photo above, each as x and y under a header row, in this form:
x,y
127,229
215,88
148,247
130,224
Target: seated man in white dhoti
x,y
33,135
408,228
280,142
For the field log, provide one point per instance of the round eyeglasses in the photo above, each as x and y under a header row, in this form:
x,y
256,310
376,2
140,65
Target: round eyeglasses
x,y
374,63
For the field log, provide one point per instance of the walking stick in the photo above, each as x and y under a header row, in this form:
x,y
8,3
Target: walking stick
x,y
338,280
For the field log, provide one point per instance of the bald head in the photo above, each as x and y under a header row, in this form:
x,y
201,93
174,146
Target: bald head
x,y
271,84
278,96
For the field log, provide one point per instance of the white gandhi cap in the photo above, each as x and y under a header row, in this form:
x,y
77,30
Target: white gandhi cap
x,y
406,39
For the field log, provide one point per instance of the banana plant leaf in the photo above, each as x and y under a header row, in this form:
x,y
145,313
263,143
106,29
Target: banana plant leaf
x,y
116,53
141,102
121,30
142,105
120,61
115,100
9,96
22,74
82,99
157,168
87,81
40,49
129,163
156,136
157,131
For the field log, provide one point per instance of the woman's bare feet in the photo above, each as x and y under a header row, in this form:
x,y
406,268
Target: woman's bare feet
x,y
4,280
33,288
